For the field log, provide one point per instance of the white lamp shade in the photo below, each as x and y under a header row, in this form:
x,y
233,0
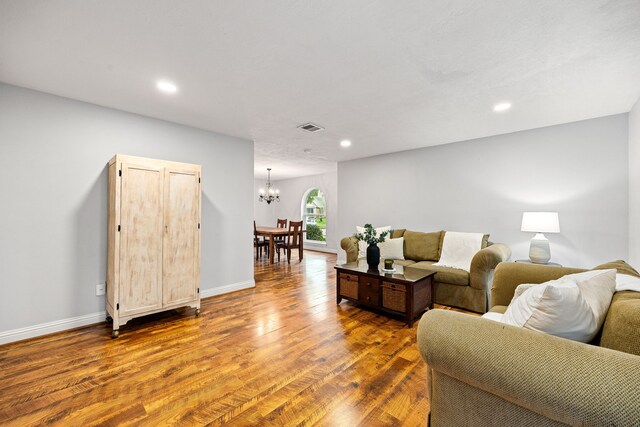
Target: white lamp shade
x,y
540,222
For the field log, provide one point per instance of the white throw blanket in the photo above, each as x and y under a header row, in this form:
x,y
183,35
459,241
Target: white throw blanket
x,y
624,282
458,249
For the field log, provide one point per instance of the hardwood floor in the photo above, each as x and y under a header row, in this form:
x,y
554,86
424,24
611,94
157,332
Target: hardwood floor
x,y
280,354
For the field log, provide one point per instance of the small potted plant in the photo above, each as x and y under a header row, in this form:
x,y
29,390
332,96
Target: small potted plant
x,y
373,251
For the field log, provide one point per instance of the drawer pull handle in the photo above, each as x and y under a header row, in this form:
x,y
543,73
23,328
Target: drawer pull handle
x,y
368,298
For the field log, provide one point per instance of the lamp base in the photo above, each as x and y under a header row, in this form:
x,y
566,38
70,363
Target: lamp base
x,y
539,252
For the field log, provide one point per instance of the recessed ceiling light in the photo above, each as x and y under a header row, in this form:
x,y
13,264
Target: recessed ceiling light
x,y
307,151
345,143
166,86
503,106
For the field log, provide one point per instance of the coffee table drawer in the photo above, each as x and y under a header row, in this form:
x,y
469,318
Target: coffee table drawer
x,y
369,291
369,284
394,297
348,285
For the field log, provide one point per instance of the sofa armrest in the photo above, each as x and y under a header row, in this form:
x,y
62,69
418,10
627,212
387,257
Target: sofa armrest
x,y
484,262
350,246
509,275
566,381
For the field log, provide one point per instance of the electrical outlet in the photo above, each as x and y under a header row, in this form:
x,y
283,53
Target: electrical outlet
x,y
100,288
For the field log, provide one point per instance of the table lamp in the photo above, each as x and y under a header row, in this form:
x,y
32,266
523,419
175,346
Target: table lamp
x,y
540,222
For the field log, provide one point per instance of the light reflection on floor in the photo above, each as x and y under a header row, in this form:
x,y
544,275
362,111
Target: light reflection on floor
x,y
314,288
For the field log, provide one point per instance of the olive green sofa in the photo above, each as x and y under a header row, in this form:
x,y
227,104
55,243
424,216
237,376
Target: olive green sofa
x,y
486,373
453,287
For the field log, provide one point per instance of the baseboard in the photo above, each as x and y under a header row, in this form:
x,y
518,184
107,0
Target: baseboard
x,y
320,249
206,293
51,327
7,337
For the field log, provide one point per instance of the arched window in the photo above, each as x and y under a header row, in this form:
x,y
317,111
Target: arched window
x,y
314,215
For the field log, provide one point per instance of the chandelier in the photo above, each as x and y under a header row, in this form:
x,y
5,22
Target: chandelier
x,y
271,194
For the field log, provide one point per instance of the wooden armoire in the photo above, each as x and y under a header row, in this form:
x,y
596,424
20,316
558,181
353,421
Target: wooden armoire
x,y
153,255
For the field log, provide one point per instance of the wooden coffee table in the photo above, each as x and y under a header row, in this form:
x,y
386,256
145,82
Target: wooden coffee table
x,y
406,292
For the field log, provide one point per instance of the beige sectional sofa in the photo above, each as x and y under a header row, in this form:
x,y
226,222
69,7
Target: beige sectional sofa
x,y
453,287
486,373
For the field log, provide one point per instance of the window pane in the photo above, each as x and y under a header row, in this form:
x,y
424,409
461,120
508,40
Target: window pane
x,y
314,216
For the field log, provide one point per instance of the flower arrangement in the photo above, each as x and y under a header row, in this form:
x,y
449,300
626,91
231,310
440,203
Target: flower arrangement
x,y
370,234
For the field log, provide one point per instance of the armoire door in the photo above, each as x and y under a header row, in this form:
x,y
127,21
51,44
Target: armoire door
x,y
181,254
141,222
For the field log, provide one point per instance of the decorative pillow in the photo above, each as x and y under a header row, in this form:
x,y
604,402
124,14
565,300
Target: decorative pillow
x,y
362,246
422,246
392,248
458,249
521,289
573,306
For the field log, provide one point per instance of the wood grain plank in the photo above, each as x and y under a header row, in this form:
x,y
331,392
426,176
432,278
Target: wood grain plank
x,y
282,353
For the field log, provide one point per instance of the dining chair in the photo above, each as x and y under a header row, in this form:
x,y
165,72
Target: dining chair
x,y
259,243
282,223
291,241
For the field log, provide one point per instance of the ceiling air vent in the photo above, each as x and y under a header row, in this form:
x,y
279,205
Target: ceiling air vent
x,y
310,127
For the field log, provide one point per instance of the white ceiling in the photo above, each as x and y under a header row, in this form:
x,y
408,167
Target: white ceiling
x,y
387,75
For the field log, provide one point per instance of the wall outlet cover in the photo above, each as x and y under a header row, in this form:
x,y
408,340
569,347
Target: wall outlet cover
x,y
100,288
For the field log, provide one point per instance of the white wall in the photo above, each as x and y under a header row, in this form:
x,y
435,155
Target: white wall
x,y
578,169
53,187
634,185
291,192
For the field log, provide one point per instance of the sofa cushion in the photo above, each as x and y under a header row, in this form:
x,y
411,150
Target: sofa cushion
x,y
397,233
621,267
422,246
403,262
498,309
621,329
449,275
492,315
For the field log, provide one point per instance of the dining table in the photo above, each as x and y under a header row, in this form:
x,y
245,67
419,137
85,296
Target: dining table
x,y
272,233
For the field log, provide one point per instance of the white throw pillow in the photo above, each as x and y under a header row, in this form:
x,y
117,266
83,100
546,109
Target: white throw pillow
x,y
458,249
392,248
572,307
521,289
362,245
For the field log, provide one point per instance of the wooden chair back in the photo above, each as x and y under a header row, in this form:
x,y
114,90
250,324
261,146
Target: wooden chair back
x,y
282,223
295,233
